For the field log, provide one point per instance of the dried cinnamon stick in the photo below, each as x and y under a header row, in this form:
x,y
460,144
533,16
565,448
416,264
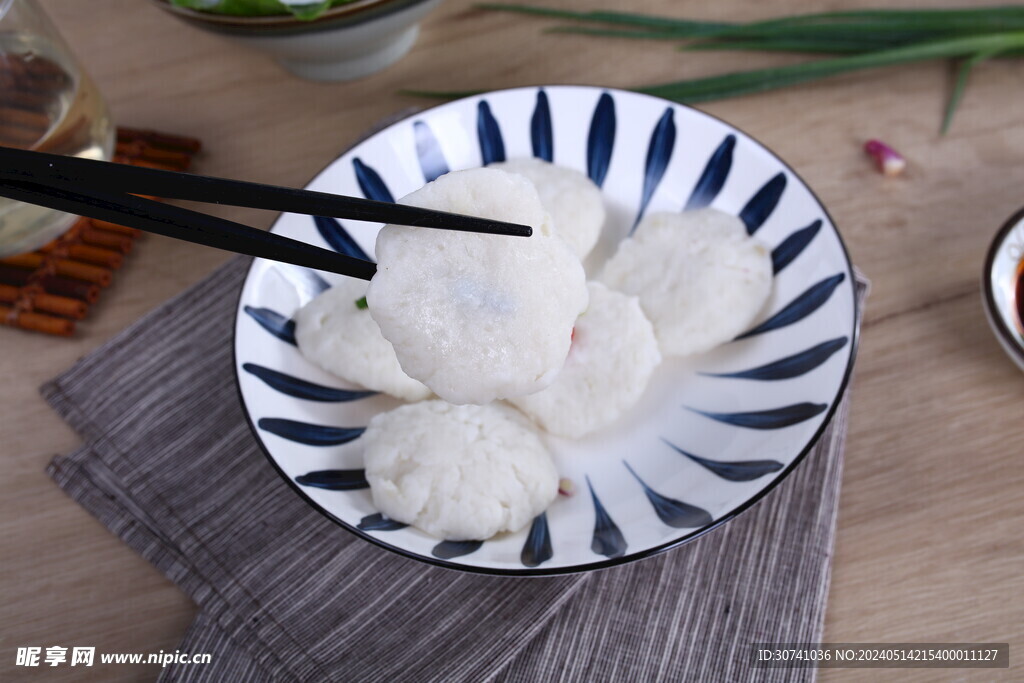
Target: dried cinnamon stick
x,y
83,271
10,275
107,239
36,73
9,293
25,118
114,227
39,300
108,258
26,99
159,139
62,266
44,69
145,163
29,260
65,286
18,136
76,289
60,305
138,149
36,322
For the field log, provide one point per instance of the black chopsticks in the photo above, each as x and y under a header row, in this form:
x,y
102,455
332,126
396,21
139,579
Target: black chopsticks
x,y
104,190
183,224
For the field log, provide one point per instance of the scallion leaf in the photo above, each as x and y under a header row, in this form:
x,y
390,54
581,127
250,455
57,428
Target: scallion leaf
x,y
865,39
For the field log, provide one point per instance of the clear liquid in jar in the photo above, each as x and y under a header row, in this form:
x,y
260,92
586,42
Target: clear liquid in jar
x,y
48,105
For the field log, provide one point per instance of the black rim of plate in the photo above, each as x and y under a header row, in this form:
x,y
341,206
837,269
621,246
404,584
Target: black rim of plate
x,y
630,557
1012,341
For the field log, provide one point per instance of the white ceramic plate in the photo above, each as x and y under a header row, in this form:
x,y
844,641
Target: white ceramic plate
x,y
711,435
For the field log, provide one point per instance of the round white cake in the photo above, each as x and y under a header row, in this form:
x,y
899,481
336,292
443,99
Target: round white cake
x,y
614,351
458,473
478,317
335,334
700,278
572,199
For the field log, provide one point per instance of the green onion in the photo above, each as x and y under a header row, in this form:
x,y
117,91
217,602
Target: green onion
x,y
810,45
694,27
619,33
361,304
865,39
961,83
759,80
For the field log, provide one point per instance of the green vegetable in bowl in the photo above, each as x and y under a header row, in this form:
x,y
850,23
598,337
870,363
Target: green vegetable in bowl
x,y
302,9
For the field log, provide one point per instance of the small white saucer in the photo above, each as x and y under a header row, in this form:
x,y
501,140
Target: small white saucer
x,y
1004,267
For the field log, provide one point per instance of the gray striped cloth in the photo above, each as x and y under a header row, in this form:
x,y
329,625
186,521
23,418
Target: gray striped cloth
x,y
170,466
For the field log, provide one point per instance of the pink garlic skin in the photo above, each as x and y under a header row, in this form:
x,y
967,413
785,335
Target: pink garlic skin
x,y
566,487
889,161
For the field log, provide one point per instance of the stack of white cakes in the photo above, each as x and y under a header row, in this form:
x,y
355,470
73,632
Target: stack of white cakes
x,y
476,319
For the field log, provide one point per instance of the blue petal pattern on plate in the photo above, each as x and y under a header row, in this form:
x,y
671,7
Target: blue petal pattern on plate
x,y
741,470
428,149
309,434
370,182
492,146
378,522
335,480
799,308
776,418
761,205
713,177
659,153
790,366
601,139
537,549
447,550
793,245
339,239
274,323
542,138
608,539
674,513
300,388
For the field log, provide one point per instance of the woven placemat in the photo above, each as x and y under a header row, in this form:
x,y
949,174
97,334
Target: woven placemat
x,y
170,466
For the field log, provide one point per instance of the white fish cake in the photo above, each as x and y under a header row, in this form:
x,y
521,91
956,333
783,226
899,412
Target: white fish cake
x,y
478,317
700,278
459,473
614,351
572,199
333,333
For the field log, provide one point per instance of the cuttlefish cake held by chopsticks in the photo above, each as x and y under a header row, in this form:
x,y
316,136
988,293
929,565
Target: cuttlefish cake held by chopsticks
x,y
461,473
478,317
700,277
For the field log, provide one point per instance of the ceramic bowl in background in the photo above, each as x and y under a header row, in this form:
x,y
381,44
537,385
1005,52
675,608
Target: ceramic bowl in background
x,y
345,43
1003,287
712,433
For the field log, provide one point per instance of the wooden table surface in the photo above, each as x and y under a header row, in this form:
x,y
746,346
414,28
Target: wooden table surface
x,y
930,542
